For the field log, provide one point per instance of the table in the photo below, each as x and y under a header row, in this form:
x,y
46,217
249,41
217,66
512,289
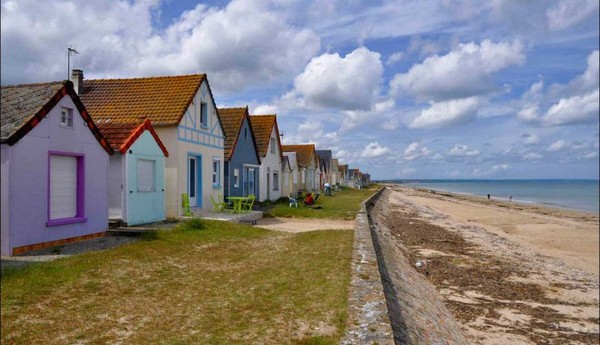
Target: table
x,y
237,202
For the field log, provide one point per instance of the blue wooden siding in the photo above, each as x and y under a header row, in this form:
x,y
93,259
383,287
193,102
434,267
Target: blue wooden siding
x,y
244,153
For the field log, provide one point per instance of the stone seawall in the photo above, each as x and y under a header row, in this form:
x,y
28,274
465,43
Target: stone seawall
x,y
368,321
416,311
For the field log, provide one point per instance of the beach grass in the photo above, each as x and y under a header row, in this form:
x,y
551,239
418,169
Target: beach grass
x,y
343,204
203,282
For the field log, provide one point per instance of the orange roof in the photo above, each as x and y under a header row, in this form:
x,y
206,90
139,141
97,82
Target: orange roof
x,y
163,100
263,126
122,134
303,153
232,120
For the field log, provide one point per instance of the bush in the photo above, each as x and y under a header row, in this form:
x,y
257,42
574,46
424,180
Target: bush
x,y
196,224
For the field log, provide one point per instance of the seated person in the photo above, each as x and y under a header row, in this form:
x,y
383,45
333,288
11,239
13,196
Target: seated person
x,y
308,200
327,188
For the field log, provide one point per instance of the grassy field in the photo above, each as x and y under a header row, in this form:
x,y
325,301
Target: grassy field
x,y
342,205
205,282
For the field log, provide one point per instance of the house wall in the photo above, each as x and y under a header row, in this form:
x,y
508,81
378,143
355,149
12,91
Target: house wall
x,y
115,186
269,164
4,197
244,153
190,138
145,206
28,172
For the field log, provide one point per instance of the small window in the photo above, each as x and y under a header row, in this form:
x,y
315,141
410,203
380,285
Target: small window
x,y
303,178
295,176
66,117
145,175
216,173
236,178
272,145
203,115
275,180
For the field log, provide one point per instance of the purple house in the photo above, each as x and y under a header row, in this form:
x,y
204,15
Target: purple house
x,y
54,171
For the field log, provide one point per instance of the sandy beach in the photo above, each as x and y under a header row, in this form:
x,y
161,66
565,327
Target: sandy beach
x,y
508,272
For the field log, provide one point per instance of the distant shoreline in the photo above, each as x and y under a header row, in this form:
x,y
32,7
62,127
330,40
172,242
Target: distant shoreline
x,y
475,188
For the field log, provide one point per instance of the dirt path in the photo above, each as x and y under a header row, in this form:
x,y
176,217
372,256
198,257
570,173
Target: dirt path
x,y
496,286
296,225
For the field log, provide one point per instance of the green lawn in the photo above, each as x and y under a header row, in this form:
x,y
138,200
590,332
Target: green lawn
x,y
342,205
205,282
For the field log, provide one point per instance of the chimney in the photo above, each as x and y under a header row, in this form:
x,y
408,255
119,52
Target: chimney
x,y
77,79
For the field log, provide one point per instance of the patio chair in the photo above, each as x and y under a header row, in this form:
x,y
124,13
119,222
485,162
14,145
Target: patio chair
x,y
248,204
185,203
226,206
218,206
293,201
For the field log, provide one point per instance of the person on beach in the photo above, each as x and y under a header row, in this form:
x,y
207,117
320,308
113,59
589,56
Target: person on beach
x,y
308,200
510,198
488,197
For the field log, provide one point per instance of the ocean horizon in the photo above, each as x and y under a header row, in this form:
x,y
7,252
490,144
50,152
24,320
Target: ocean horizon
x,y
574,194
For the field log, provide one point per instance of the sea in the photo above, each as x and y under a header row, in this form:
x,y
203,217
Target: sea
x,y
581,195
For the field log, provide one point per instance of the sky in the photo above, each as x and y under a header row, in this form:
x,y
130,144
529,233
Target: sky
x,y
399,89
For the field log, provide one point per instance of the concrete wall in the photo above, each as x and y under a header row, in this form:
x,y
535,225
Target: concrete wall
x,y
4,197
145,206
28,181
269,164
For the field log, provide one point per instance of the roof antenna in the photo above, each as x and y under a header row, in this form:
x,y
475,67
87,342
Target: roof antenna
x,y
70,51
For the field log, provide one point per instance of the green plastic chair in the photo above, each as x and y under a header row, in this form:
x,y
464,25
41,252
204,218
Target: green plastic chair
x,y
216,205
247,205
185,201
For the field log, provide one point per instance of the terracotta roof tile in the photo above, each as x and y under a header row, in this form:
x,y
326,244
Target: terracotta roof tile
x,y
303,153
263,126
163,100
231,120
122,134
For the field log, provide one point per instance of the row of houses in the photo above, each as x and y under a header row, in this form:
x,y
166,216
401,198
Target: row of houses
x,y
77,153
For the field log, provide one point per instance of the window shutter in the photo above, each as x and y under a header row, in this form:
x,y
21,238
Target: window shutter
x,y
145,175
63,187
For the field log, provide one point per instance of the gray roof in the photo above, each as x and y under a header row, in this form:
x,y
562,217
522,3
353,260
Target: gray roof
x,y
22,102
326,157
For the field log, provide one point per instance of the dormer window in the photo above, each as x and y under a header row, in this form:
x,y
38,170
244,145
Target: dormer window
x,y
272,145
66,117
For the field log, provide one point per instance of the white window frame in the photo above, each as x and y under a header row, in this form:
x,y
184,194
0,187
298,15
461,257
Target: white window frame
x,y
275,180
144,183
272,145
78,214
236,178
66,117
216,173
203,115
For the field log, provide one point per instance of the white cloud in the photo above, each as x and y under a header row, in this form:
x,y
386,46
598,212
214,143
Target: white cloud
x,y
382,115
530,139
331,81
374,150
116,39
574,110
447,113
532,156
462,151
265,109
463,72
529,113
567,13
558,146
414,151
394,58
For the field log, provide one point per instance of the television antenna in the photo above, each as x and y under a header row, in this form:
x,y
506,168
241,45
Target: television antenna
x,y
70,51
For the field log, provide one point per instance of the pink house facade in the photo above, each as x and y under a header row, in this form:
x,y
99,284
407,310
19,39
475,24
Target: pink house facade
x,y
54,169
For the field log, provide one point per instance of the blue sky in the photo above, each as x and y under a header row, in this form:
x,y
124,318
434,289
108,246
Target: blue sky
x,y
399,89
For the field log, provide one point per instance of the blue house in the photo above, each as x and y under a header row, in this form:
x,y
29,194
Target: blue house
x,y
242,161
